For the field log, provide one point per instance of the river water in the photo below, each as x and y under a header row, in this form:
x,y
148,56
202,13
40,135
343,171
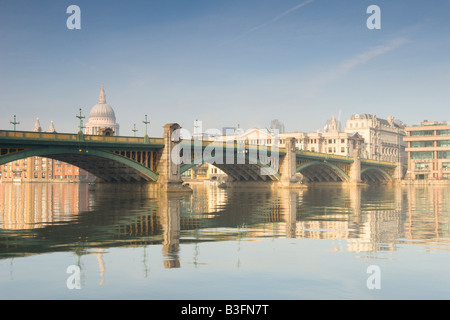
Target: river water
x,y
72,241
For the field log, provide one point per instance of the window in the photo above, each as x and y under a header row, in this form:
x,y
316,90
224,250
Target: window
x,y
422,166
443,154
444,132
342,149
422,155
446,166
421,144
422,133
444,143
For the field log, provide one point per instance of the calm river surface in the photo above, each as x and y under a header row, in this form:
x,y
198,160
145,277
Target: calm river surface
x,y
66,241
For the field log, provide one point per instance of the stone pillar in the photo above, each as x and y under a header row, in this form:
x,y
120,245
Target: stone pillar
x,y
169,175
355,169
288,164
398,172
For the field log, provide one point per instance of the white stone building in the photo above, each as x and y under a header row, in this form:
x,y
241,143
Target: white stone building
x,y
330,140
383,138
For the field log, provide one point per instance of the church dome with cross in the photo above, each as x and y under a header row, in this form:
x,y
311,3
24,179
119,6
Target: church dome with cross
x,y
102,119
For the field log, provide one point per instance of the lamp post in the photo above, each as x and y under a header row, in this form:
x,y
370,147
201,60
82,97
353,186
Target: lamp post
x,y
14,122
80,132
134,130
146,122
81,121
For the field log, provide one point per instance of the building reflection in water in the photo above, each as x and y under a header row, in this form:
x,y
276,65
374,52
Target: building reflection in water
x,y
70,217
33,205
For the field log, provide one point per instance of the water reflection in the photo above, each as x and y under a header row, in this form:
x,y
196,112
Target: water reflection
x,y
42,218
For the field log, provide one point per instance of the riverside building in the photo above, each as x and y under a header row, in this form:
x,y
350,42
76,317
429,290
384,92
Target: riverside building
x,y
428,151
383,139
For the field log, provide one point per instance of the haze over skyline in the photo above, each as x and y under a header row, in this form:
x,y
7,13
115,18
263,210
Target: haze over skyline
x,y
223,62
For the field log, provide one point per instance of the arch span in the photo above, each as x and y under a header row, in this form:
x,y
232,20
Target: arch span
x,y
250,171
323,171
107,166
375,175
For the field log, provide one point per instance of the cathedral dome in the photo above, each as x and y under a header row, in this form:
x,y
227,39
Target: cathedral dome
x,y
102,118
102,109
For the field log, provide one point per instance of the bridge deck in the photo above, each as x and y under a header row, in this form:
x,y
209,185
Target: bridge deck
x,y
28,138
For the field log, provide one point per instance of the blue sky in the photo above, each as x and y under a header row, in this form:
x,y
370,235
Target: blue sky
x,y
225,62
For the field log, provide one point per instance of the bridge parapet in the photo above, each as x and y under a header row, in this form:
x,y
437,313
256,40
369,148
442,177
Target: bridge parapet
x,y
39,136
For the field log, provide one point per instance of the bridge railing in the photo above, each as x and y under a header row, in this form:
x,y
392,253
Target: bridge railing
x,y
234,143
76,137
323,155
378,162
339,157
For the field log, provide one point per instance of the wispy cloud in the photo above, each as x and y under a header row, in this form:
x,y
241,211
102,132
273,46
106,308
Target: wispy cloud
x,y
278,17
352,63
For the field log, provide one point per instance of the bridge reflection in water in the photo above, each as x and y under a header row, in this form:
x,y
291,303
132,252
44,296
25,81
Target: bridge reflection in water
x,y
44,218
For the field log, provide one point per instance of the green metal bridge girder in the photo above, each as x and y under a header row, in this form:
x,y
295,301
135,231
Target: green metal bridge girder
x,y
252,160
383,172
335,168
52,151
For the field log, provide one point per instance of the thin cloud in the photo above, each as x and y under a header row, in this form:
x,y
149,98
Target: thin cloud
x,y
354,62
279,17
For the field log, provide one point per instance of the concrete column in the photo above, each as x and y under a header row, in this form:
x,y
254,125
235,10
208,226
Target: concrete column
x,y
169,175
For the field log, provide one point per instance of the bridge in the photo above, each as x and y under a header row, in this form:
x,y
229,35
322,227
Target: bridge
x,y
120,159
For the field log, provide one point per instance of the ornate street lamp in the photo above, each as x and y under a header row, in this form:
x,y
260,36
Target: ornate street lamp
x,y
134,130
146,124
81,122
14,122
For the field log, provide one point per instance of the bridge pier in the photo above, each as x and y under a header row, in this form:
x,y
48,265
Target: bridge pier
x,y
355,169
288,168
398,173
169,178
